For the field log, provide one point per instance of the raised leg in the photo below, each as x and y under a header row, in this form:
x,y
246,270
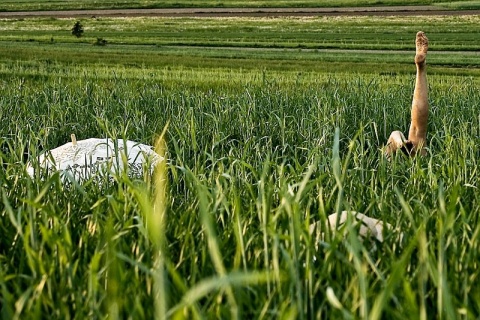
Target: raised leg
x,y
418,127
417,135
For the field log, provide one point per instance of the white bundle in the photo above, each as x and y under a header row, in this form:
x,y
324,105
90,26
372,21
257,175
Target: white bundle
x,y
90,157
369,227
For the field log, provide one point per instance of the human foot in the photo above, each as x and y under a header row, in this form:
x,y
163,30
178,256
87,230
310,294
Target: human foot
x,y
421,42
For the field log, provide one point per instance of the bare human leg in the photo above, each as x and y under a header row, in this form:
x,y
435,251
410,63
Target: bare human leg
x,y
417,136
418,128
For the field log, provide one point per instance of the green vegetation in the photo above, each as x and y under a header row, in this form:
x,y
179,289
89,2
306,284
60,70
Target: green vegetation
x,y
250,167
461,5
352,43
77,29
16,5
262,140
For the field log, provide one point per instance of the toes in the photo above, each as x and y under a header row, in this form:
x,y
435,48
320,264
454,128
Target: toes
x,y
421,43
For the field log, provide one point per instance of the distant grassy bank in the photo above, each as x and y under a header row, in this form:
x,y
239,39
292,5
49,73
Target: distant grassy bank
x,y
18,5
322,44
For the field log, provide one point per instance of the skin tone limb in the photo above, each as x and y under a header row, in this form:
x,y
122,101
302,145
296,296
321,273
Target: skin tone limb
x,y
415,144
417,135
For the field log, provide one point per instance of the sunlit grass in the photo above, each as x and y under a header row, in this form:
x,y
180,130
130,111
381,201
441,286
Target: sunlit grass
x,y
260,144
254,157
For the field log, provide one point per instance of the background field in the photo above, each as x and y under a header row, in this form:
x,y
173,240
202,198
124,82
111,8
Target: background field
x,y
272,125
12,5
354,44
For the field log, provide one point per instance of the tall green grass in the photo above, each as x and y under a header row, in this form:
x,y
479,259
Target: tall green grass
x,y
253,159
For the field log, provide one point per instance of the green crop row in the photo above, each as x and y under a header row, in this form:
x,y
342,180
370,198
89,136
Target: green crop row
x,y
321,44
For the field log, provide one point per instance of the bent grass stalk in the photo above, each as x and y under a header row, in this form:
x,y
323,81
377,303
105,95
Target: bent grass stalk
x,y
155,217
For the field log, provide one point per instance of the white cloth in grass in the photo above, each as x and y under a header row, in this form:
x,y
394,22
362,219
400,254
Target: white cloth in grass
x,y
368,227
97,157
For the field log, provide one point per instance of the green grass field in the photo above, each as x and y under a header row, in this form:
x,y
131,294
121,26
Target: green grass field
x,y
18,5
352,43
261,142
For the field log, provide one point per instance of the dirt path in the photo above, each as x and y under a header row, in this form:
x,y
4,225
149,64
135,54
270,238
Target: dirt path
x,y
245,12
